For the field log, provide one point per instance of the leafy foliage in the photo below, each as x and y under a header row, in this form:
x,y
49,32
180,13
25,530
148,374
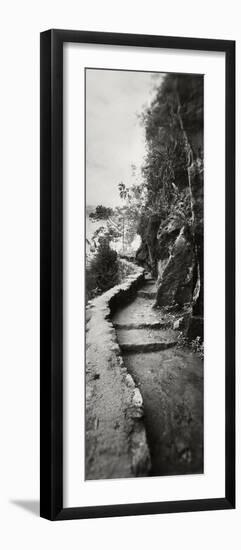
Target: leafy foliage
x,y
120,222
173,126
102,272
196,345
101,213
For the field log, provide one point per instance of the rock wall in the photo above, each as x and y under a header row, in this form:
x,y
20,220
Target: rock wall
x,y
116,445
180,255
172,232
146,254
175,286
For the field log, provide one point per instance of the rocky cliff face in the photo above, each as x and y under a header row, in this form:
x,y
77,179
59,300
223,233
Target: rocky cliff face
x,y
148,251
180,256
175,286
172,244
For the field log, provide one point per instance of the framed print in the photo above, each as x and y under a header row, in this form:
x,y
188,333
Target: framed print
x,y
137,274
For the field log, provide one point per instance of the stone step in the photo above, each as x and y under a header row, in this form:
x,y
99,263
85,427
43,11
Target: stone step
x,y
149,277
146,340
148,287
140,312
149,295
155,325
146,348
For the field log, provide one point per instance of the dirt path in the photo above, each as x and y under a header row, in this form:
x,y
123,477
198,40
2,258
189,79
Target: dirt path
x,y
171,383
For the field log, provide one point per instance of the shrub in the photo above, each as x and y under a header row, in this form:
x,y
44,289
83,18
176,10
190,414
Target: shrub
x,y
102,273
196,345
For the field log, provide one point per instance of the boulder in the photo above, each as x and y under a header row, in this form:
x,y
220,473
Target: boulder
x,y
176,283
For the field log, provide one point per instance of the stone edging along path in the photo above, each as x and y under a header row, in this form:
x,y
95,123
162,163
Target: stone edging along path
x,y
115,443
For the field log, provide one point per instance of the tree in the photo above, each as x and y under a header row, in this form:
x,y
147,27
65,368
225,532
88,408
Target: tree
x,y
120,222
101,213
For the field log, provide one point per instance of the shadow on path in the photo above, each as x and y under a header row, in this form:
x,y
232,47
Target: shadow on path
x,y
170,381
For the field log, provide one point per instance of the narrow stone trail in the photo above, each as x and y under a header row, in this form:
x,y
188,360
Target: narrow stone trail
x,y
170,380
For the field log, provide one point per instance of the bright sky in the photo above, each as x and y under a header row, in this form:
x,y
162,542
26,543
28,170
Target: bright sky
x,y
114,136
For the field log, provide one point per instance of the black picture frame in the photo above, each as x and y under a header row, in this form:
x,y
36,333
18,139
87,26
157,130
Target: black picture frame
x,y
51,325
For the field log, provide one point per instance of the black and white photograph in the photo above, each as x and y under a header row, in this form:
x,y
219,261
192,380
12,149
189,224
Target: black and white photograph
x,y
144,273
137,275
119,236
